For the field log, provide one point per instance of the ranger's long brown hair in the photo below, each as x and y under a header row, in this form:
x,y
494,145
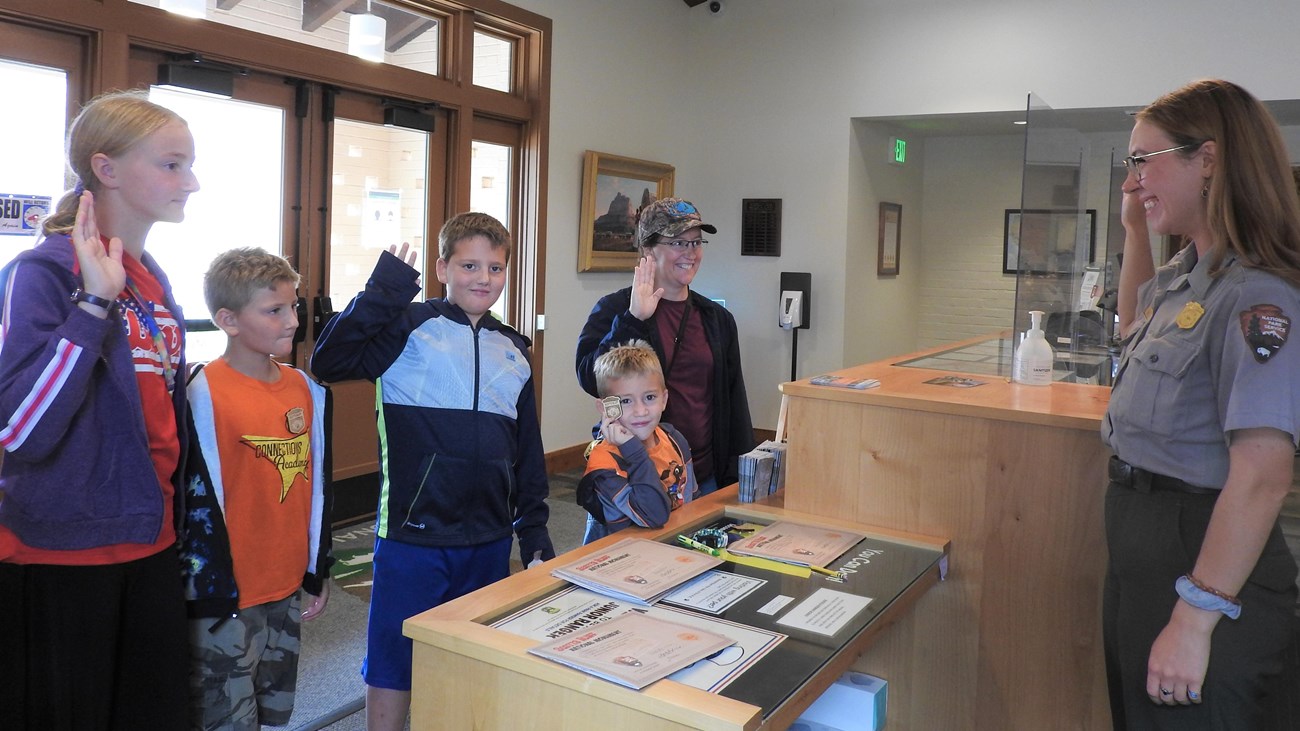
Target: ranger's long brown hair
x,y
1252,208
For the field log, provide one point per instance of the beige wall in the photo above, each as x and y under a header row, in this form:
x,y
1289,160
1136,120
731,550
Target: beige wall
x,y
761,102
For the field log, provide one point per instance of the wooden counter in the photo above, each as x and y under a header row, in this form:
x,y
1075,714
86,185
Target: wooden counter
x,y
467,675
1014,475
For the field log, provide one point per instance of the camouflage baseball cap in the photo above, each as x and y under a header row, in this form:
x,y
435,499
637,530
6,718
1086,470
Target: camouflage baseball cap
x,y
668,217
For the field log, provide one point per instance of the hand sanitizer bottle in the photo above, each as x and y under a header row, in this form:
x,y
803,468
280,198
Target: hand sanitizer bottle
x,y
1032,363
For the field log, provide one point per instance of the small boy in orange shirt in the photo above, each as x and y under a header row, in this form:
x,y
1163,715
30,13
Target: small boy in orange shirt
x,y
641,470
256,528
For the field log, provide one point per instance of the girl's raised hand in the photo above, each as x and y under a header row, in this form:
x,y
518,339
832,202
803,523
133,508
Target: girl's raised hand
x,y
645,298
102,273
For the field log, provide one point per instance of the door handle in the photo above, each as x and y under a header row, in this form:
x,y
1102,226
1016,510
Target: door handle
x,y
322,313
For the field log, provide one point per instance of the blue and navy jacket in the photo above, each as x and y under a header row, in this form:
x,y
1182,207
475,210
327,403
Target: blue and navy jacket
x,y
207,571
460,450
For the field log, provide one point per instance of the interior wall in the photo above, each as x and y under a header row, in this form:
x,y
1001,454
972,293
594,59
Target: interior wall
x,y
882,312
969,183
759,101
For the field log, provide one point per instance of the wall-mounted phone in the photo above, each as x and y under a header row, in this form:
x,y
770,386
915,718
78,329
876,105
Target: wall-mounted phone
x,y
796,300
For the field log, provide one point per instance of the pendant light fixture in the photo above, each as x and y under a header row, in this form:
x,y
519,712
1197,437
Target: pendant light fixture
x,y
366,35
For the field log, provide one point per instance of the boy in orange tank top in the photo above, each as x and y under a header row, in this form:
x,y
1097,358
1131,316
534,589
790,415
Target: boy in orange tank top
x,y
257,518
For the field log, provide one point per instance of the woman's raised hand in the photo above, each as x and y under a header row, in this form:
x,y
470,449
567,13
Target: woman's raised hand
x,y
645,297
102,273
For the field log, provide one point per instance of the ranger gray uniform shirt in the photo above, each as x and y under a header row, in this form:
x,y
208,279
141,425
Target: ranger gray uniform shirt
x,y
1188,378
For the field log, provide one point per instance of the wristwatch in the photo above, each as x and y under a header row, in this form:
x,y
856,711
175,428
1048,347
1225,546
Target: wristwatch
x,y
81,295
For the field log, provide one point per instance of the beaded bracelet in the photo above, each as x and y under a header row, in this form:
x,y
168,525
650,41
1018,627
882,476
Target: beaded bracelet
x,y
712,537
1207,598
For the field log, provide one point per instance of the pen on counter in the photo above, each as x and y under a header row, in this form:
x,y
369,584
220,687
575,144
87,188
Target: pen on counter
x,y
824,571
691,543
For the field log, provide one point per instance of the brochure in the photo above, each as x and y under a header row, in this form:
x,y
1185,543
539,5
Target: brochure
x,y
575,610
633,649
955,381
804,545
844,382
636,569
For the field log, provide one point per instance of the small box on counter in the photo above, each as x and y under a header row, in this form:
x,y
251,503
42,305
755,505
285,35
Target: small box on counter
x,y
854,702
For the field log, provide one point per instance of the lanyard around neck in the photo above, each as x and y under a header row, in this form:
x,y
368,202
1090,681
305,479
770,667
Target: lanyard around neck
x,y
677,340
143,310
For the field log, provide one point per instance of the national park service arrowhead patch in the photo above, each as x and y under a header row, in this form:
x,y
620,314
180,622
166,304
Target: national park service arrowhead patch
x,y
1265,328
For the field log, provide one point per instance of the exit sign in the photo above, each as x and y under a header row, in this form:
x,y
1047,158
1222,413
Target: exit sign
x,y
897,150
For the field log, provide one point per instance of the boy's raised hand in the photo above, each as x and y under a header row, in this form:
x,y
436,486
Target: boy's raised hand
x,y
406,253
613,431
645,298
102,273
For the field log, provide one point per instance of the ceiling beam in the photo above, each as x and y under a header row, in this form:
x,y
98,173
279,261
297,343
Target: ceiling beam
x,y
316,13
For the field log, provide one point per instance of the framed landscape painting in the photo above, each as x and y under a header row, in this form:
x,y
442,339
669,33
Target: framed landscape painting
x,y
613,189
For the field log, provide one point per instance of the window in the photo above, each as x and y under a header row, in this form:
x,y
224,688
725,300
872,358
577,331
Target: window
x,y
412,40
33,170
377,201
232,207
489,192
493,61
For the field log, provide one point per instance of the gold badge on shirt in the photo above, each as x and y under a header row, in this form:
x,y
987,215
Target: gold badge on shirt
x,y
1190,315
295,420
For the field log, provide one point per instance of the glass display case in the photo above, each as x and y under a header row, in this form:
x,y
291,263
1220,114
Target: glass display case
x,y
1050,244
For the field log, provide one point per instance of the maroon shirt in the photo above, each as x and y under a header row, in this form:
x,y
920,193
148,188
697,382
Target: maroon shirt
x,y
689,369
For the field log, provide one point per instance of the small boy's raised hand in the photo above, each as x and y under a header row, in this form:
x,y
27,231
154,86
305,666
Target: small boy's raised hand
x,y
102,273
612,429
316,604
645,298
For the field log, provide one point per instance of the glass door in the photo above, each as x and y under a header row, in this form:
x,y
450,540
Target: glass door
x,y
493,189
244,154
377,200
41,70
385,184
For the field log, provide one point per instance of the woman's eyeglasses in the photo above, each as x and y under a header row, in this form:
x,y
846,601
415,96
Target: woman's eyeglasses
x,y
682,244
1132,162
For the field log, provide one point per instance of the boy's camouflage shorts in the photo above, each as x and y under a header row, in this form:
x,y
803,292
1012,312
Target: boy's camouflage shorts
x,y
244,669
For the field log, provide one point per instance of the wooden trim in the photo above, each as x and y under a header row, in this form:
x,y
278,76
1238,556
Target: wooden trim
x,y
566,459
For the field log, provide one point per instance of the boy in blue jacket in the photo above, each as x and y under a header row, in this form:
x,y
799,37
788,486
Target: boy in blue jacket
x,y
460,449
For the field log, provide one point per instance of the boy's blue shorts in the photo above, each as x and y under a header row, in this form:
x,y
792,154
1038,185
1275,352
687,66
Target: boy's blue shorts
x,y
410,579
